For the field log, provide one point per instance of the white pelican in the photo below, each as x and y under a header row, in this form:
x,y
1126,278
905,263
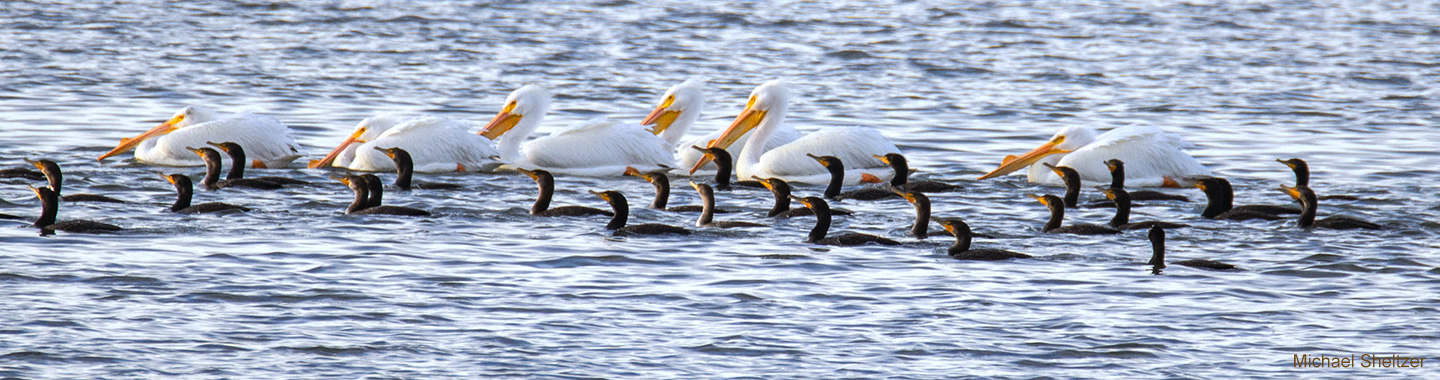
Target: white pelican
x,y
677,112
266,140
856,147
1152,157
435,144
595,148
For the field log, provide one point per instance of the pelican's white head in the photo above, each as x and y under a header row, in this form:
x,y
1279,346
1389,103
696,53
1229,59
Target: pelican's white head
x,y
528,103
187,116
368,130
677,110
523,111
766,106
1067,140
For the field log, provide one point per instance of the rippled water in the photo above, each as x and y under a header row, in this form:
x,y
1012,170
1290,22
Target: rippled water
x,y
297,289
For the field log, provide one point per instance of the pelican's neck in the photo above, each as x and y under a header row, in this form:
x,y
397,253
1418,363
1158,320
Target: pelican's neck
x,y
755,145
682,124
509,143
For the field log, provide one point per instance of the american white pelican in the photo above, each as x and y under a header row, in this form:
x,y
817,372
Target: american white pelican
x,y
435,144
267,140
677,112
595,148
1152,157
765,114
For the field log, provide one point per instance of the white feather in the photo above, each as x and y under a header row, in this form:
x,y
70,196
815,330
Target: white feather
x,y
1150,155
854,146
264,139
599,147
435,144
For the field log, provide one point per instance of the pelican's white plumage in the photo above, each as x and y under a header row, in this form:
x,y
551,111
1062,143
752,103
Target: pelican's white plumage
x,y
435,143
1152,156
677,112
266,140
765,115
596,147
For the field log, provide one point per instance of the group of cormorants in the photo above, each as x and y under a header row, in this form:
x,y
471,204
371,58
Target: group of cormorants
x,y
369,189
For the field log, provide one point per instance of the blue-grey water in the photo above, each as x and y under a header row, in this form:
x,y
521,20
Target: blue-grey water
x,y
297,289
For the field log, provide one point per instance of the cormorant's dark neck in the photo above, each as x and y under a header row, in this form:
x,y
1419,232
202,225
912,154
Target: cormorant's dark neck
x,y
53,176
723,167
621,207
547,190
1308,204
362,197
1057,214
377,192
1122,207
962,240
922,216
902,171
1072,190
822,222
707,208
237,163
1220,198
782,199
212,171
1157,244
662,191
1302,175
1117,177
837,179
49,206
184,190
404,169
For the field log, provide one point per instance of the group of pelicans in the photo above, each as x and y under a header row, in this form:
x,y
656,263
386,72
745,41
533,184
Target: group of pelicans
x,y
770,154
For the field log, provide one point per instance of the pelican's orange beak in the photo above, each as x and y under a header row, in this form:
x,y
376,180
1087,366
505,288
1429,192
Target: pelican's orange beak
x,y
1013,163
748,119
502,122
662,116
330,158
130,143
